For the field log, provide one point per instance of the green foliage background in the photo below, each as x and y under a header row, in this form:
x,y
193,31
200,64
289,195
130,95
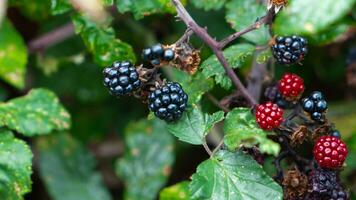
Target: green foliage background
x,y
63,137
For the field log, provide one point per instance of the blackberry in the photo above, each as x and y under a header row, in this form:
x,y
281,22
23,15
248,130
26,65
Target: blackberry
x,y
323,181
335,133
290,49
121,78
168,102
157,53
272,94
315,105
338,193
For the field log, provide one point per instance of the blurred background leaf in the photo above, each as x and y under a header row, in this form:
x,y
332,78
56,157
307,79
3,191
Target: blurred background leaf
x,y
148,159
68,169
13,56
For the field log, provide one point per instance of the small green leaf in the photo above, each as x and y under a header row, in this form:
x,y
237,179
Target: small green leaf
x,y
102,42
209,4
241,14
240,128
307,17
148,159
60,6
195,86
194,125
236,55
39,112
13,55
68,169
233,175
15,167
141,8
264,56
179,191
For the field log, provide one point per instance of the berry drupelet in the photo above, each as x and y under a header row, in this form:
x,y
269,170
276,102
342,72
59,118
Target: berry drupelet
x,y
330,152
272,94
291,86
290,49
338,193
316,106
323,181
157,53
168,102
121,78
269,116
335,133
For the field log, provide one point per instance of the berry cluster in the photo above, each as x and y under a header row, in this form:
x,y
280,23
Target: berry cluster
x,y
168,102
158,54
291,86
269,116
289,50
330,152
121,78
316,106
325,185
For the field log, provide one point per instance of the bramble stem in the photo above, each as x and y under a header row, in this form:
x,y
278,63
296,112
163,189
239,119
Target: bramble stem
x,y
215,47
263,20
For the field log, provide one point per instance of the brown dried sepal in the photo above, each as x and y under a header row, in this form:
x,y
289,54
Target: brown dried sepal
x,y
295,184
299,136
186,57
279,2
320,131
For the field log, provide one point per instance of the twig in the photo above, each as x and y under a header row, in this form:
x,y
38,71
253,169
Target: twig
x,y
217,103
256,78
218,146
214,46
206,147
277,164
263,20
51,38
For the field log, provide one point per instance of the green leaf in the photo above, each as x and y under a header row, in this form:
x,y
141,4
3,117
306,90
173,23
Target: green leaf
x,y
329,35
101,42
39,112
264,56
241,14
148,159
60,6
240,127
13,56
141,8
194,125
179,191
233,175
15,167
195,86
307,17
235,55
68,169
209,4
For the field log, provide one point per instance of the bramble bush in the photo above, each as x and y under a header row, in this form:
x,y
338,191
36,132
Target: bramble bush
x,y
210,99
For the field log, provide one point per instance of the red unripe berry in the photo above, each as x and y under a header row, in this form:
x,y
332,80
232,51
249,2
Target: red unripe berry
x,y
330,152
291,86
269,116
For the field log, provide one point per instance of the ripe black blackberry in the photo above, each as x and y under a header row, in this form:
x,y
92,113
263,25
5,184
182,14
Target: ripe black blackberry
x,y
338,193
315,105
290,49
272,94
121,78
168,102
157,53
323,181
